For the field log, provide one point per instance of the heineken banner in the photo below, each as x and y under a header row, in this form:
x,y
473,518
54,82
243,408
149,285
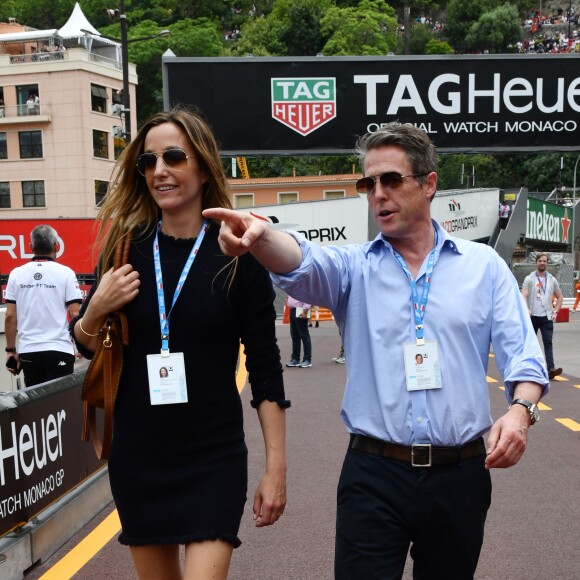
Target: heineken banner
x,y
548,222
319,105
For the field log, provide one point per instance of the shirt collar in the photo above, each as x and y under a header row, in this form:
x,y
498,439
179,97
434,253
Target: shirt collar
x,y
444,241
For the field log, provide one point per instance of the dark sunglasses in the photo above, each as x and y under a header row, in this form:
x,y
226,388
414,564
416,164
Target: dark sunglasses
x,y
171,157
390,181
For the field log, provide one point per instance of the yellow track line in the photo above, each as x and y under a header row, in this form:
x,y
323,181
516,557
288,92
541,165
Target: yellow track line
x,y
68,566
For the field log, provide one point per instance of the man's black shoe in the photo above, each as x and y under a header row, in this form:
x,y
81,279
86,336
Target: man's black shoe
x,y
554,373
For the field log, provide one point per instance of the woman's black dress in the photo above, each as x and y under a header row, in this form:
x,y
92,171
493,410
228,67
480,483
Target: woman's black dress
x,y
179,472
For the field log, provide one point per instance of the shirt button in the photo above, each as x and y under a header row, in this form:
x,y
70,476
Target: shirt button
x,y
419,419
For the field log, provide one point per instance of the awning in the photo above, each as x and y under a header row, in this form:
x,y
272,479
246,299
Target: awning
x,y
99,91
29,35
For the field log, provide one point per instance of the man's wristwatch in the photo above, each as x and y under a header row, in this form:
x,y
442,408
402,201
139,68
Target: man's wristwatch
x,y
531,407
10,349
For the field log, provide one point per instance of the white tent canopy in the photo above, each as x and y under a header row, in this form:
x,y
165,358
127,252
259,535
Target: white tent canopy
x,y
77,22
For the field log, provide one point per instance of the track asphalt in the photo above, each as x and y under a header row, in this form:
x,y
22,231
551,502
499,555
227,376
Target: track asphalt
x,y
533,526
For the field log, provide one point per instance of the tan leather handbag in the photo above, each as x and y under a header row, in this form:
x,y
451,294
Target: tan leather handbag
x,y
104,373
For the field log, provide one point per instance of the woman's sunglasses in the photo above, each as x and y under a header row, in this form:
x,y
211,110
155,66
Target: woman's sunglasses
x,y
390,181
173,158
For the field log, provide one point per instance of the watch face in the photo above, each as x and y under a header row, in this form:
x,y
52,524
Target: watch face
x,y
534,413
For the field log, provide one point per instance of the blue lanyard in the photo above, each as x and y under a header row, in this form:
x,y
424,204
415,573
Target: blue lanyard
x,y
541,284
163,318
419,306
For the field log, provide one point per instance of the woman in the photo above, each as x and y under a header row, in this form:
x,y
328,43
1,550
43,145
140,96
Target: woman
x,y
178,463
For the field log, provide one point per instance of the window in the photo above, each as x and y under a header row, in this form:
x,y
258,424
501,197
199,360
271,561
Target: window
x,y
243,200
3,146
288,197
99,99
339,194
2,109
30,144
23,94
100,144
100,191
33,194
4,194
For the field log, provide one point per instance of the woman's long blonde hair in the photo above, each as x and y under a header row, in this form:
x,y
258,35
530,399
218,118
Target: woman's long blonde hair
x,y
128,204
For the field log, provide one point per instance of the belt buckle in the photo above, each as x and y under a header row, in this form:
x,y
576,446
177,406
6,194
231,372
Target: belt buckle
x,y
421,446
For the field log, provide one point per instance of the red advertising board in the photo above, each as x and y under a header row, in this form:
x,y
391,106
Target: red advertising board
x,y
76,238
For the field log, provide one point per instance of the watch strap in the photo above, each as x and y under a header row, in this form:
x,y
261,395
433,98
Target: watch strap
x,y
531,407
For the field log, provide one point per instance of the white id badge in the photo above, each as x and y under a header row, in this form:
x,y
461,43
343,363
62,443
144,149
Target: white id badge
x,y
422,368
167,384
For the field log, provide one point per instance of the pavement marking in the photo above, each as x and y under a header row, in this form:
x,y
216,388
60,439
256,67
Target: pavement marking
x,y
572,425
560,378
577,386
68,566
543,407
490,380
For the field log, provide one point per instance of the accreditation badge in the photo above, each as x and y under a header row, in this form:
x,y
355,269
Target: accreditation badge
x,y
422,368
167,384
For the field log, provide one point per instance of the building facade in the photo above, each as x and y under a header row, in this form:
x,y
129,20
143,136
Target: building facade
x,y
61,121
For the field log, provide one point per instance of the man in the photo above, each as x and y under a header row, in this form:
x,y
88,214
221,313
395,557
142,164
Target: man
x,y
416,470
38,296
538,289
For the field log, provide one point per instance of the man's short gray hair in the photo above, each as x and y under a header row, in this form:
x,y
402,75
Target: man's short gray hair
x,y
43,238
414,141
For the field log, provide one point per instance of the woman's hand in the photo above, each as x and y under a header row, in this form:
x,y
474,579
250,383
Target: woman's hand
x,y
116,289
270,498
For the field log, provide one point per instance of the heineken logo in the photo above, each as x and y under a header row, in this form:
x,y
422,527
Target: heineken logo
x,y
304,104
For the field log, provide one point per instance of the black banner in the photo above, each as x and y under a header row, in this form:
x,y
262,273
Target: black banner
x,y
42,456
319,105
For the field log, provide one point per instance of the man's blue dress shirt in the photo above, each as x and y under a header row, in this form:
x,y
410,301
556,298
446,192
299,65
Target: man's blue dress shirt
x,y
474,301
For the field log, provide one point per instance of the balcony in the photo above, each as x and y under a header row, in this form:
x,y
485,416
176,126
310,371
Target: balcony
x,y
73,58
12,114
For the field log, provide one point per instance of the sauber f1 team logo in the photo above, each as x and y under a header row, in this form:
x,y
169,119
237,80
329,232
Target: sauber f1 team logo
x,y
304,104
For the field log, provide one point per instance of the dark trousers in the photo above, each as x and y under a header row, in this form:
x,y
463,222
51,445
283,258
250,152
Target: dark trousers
x,y
300,334
386,505
39,367
546,327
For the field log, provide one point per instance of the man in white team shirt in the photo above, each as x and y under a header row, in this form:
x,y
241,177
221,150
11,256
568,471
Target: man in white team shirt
x,y
38,296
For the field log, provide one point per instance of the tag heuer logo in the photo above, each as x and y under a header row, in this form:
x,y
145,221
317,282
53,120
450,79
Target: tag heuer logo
x,y
304,104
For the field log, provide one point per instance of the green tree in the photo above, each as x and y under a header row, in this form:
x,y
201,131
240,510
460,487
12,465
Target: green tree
x,y
495,30
435,46
369,29
461,14
419,35
301,34
260,37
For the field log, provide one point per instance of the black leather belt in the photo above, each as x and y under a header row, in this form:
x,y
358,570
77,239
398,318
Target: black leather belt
x,y
419,455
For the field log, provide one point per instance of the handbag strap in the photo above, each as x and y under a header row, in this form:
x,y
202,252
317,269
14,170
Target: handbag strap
x,y
102,448
121,258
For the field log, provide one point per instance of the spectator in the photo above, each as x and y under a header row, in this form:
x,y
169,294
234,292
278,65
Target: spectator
x,y
38,297
299,314
538,289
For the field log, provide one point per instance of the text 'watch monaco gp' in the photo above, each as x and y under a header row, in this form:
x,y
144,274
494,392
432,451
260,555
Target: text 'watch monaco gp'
x,y
531,407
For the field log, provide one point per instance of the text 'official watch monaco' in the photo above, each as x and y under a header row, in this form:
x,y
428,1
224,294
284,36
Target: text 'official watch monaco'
x,y
531,407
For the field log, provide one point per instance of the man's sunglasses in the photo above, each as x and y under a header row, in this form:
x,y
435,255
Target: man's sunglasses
x,y
390,181
173,158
